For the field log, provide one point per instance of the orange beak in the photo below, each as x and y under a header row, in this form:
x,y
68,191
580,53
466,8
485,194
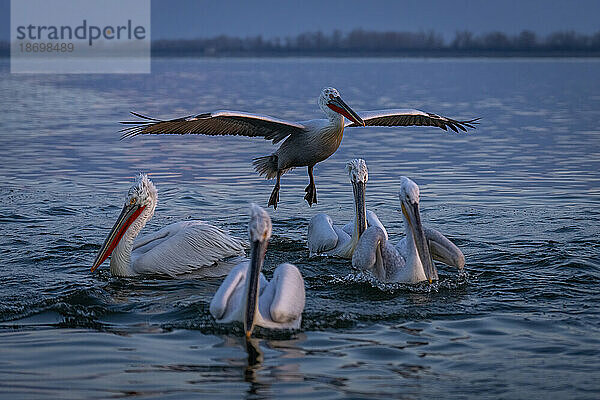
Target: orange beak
x,y
338,105
128,215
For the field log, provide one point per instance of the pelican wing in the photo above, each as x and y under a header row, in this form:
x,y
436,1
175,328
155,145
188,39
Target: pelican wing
x,y
326,239
442,249
227,305
216,123
222,299
184,247
367,255
409,117
322,236
284,297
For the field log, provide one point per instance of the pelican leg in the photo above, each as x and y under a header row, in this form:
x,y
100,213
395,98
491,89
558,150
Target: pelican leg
x,y
311,189
274,199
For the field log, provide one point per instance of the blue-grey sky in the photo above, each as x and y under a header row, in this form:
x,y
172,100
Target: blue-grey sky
x,y
203,18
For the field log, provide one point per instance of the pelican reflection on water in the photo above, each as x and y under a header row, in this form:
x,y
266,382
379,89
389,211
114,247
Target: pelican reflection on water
x,y
324,238
179,248
246,296
411,261
305,143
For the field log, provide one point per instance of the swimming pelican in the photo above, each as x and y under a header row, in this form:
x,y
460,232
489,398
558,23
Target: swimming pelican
x,y
245,295
411,260
179,248
307,143
326,239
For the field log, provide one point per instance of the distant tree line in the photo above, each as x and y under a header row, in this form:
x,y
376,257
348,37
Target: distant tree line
x,y
370,43
526,40
363,42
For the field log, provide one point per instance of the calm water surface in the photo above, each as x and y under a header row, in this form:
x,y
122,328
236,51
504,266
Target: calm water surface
x,y
520,196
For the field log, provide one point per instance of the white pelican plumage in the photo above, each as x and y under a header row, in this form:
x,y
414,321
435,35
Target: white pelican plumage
x,y
411,260
326,239
306,143
246,296
179,248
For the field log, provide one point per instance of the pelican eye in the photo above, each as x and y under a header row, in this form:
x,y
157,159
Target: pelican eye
x,y
132,201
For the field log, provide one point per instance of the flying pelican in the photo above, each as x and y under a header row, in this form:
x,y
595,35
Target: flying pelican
x,y
307,143
411,260
178,248
245,295
325,238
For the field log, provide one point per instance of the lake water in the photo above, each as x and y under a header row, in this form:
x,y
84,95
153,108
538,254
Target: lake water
x,y
520,196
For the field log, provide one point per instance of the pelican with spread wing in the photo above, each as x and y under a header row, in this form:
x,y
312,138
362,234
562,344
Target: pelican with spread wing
x,y
306,143
179,248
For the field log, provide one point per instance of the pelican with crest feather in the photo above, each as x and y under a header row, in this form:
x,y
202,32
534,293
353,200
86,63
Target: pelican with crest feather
x,y
326,239
306,143
411,261
246,296
179,248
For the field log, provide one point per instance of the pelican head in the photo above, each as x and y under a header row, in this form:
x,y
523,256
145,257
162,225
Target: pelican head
x,y
409,202
260,232
141,196
332,104
359,175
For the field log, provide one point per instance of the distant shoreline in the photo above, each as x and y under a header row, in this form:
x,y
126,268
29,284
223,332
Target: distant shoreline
x,y
359,43
5,53
404,54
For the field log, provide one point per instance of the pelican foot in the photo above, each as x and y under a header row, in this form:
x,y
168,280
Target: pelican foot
x,y
311,194
274,199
